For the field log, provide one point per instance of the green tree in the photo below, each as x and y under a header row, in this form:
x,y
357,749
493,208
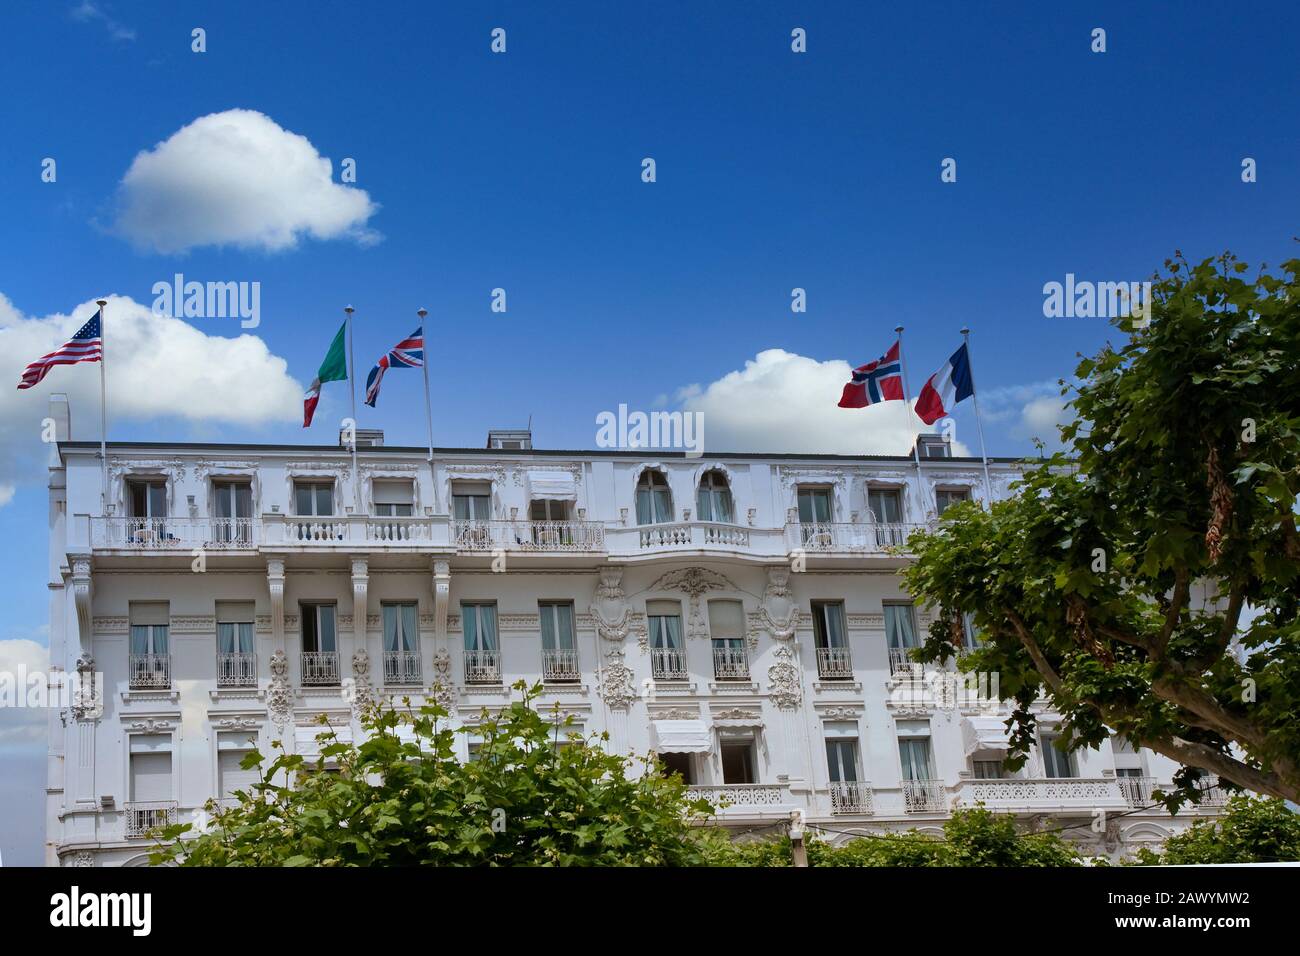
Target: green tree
x,y
1250,831
1180,480
535,795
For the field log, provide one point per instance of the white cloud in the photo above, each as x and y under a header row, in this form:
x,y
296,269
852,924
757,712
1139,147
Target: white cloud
x,y
87,12
784,402
237,178
19,658
1028,411
158,366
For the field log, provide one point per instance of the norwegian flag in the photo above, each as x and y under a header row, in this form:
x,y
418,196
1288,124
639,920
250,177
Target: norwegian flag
x,y
86,346
878,381
408,353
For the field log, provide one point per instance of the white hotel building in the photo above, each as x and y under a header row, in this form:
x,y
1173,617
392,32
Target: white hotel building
x,y
739,614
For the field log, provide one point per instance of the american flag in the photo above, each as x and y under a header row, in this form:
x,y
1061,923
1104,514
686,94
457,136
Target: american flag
x,y
408,353
86,346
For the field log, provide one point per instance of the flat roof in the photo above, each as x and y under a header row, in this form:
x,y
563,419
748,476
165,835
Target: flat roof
x,y
408,450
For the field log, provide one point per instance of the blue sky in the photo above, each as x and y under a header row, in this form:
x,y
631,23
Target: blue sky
x,y
522,171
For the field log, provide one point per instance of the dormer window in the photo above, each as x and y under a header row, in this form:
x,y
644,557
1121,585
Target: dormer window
x,y
713,500
654,500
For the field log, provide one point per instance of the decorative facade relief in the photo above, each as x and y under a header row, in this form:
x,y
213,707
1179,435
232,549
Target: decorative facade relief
x,y
279,695
778,611
695,583
443,687
616,685
610,608
441,596
88,693
784,683
81,593
362,695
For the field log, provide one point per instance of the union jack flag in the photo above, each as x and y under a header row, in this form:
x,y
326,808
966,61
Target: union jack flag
x,y
86,346
408,353
878,381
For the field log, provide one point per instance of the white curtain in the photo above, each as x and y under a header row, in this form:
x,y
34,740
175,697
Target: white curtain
x,y
898,625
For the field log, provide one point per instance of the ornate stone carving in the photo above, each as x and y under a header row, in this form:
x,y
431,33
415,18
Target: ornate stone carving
x,y
736,713
694,582
610,608
783,680
443,688
362,695
616,685
83,859
517,474
279,696
676,713
778,611
81,593
237,723
840,713
88,691
152,725
193,624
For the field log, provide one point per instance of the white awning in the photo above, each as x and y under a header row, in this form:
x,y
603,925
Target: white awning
x,y
681,737
552,486
984,733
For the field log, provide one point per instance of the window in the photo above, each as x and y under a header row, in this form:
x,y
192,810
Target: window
x,y
1129,772
944,498
988,769
885,505
1056,762
654,502
550,530
842,751
833,662
313,499
150,655
318,632
814,505
914,749
969,637
548,510
680,764
401,643
713,501
232,748
148,499
559,647
233,508
738,760
236,658
471,500
393,499
151,798
900,625
482,656
667,658
727,629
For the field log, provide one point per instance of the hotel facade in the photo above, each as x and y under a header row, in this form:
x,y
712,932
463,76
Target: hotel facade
x,y
740,615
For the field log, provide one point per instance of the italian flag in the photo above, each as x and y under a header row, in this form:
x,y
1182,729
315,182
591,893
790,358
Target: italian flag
x,y
333,369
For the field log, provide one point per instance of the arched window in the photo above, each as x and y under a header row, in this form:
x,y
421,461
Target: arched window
x,y
713,500
654,502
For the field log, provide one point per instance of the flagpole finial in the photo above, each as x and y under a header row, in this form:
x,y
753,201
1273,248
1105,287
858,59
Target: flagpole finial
x,y
101,302
421,312
898,329
348,309
965,331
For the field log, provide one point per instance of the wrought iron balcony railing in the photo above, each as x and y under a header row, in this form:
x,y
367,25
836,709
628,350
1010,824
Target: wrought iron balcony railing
x,y
320,668
237,670
668,663
401,667
150,671
851,796
560,664
730,663
924,796
482,667
142,817
834,663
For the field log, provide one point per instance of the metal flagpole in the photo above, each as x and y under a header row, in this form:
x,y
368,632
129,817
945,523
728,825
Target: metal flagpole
x,y
979,427
907,404
428,407
103,411
352,387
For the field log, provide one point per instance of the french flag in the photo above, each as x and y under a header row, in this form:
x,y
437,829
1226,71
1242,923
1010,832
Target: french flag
x,y
945,388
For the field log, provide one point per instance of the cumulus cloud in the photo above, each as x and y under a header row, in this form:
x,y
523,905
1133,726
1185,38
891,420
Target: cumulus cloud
x,y
784,402
237,178
158,366
18,659
1030,411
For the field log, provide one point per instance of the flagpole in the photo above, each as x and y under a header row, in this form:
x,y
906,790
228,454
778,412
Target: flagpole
x,y
103,411
352,388
428,406
907,404
979,426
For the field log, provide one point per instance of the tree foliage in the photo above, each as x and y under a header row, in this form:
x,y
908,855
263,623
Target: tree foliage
x,y
1180,480
1250,831
537,794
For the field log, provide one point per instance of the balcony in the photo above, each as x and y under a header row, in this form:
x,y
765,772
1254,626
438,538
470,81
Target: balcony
x,y
924,796
668,663
560,665
1136,790
744,799
824,537
237,670
533,536
482,667
834,663
1043,794
693,534
730,663
902,665
150,671
320,668
141,818
401,667
174,534
399,530
851,796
